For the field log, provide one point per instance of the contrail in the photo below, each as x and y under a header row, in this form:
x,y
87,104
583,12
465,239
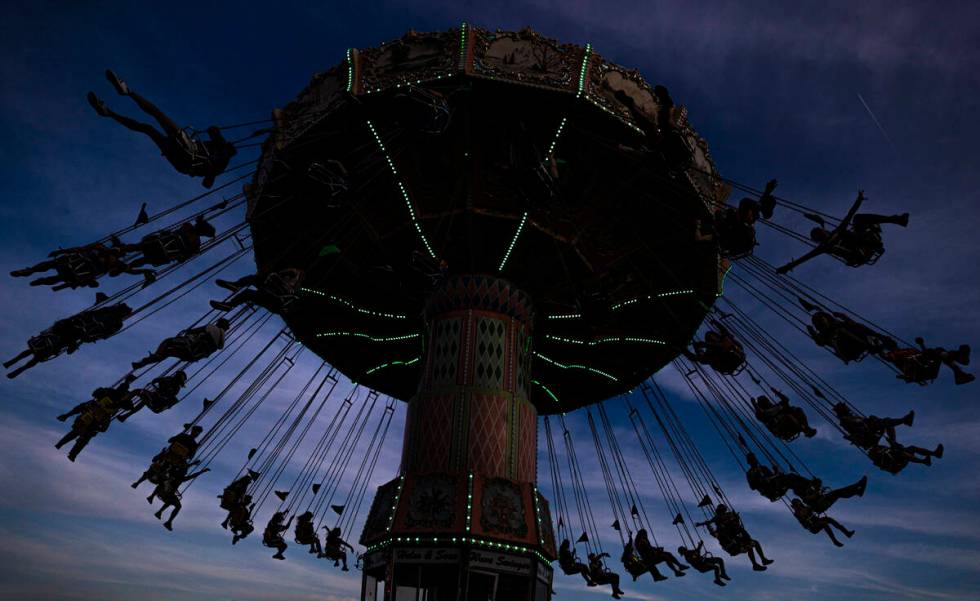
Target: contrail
x,y
878,123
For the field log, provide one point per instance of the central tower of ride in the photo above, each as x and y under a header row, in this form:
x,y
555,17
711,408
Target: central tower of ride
x,y
492,226
464,513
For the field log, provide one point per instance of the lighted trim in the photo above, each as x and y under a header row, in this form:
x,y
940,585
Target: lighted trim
x,y
392,364
394,508
462,46
582,70
350,69
606,340
548,391
401,188
347,303
513,241
456,540
469,502
618,306
572,366
368,337
724,277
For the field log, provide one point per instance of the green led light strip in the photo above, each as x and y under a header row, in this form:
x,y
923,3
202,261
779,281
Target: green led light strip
x,y
469,502
618,306
586,368
620,118
723,278
351,305
462,45
401,188
554,141
350,69
371,338
510,249
392,364
394,507
582,69
581,87
566,316
547,390
537,515
405,83
423,540
606,340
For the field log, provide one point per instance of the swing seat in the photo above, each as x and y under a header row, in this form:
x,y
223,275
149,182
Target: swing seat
x,y
44,345
179,451
306,539
159,403
228,501
785,427
729,363
635,568
78,267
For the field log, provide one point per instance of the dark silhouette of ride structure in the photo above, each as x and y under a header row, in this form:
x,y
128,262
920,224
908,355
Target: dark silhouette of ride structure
x,y
468,148
497,229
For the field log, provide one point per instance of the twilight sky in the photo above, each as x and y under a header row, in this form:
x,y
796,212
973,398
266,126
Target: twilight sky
x,y
774,89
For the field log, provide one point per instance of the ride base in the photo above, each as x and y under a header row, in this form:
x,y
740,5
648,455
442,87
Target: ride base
x,y
464,519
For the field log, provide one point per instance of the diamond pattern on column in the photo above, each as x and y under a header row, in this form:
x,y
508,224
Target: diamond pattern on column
x,y
488,434
527,443
445,351
523,362
437,419
491,339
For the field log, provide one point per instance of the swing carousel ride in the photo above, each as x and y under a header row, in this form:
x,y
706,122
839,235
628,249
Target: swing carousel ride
x,y
493,227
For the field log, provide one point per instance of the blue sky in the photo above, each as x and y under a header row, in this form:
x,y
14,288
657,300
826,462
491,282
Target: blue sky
x,y
774,89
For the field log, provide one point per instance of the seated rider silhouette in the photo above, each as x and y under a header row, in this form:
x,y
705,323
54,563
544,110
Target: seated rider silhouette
x,y
570,565
652,556
866,431
894,457
921,365
726,526
68,334
846,338
772,484
856,240
815,522
602,575
333,547
632,562
719,350
189,345
273,534
95,415
171,245
784,420
158,396
306,533
81,266
734,228
187,154
702,561
274,291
